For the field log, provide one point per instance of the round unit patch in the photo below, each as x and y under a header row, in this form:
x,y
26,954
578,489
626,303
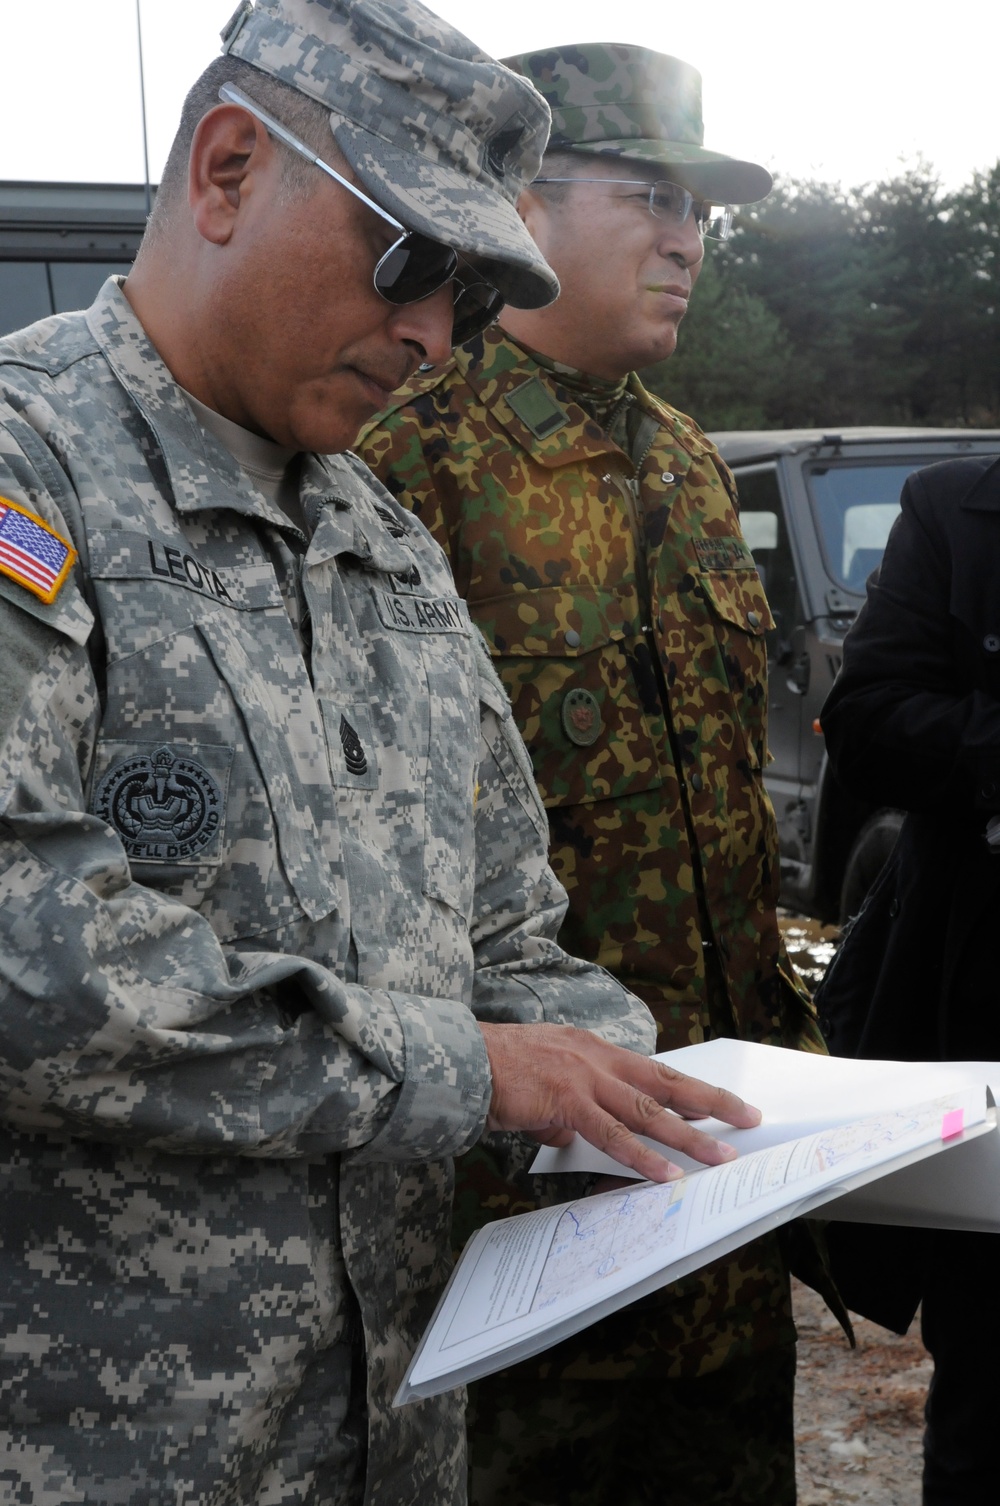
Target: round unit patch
x,y
581,717
164,808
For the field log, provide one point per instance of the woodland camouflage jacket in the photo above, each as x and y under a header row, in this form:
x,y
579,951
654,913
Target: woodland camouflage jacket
x,y
628,623
268,838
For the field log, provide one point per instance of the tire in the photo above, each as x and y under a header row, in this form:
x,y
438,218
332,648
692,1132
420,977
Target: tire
x,y
867,858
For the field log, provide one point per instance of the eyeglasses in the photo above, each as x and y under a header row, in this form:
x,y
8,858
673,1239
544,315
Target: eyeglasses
x,y
669,201
414,266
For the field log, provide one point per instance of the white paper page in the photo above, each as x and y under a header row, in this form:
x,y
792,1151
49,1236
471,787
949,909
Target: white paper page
x,y
797,1092
525,1275
959,1191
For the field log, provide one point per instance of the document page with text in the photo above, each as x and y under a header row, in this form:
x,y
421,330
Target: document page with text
x,y
524,1283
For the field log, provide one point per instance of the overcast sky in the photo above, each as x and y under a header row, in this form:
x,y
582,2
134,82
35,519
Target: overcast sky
x,y
842,91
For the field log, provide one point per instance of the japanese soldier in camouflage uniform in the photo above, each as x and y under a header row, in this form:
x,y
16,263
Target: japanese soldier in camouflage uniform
x,y
594,533
277,920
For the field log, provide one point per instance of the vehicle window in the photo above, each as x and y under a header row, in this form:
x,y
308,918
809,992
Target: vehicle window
x,y
24,294
75,284
763,525
760,530
31,290
856,506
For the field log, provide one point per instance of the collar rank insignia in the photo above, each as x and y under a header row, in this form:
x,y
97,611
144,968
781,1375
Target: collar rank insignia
x,y
31,552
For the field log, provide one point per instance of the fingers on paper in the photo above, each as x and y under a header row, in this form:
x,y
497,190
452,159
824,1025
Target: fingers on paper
x,y
694,1099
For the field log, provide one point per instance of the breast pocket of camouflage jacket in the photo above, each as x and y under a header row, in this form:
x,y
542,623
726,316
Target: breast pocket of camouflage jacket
x,y
567,660
741,617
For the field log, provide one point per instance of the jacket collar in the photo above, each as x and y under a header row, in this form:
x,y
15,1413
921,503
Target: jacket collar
x,y
373,528
203,474
499,370
984,493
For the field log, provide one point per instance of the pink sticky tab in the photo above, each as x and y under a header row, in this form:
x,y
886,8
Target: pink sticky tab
x,y
952,1124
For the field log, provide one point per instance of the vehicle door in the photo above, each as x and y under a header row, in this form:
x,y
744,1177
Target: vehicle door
x,y
762,518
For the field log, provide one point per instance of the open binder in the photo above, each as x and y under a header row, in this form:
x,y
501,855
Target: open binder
x,y
886,1142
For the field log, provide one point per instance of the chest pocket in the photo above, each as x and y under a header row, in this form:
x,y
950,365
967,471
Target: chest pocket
x,y
449,788
207,764
581,688
741,617
398,693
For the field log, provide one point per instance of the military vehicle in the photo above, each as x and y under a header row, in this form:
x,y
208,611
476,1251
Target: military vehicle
x,y
59,241
816,510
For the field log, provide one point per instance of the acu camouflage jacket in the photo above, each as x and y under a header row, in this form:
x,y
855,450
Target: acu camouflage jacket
x,y
627,620
267,838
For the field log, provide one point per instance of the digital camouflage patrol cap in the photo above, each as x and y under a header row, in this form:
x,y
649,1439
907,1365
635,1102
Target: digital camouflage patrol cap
x,y
643,106
439,133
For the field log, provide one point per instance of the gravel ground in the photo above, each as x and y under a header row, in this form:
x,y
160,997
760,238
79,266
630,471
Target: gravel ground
x,y
858,1413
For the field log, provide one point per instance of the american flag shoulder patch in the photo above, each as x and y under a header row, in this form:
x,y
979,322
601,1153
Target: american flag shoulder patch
x,y
31,552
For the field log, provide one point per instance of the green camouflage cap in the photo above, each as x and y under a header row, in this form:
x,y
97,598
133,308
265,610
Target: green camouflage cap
x,y
629,102
439,133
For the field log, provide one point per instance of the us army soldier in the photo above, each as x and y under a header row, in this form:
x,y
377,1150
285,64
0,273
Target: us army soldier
x,y
277,922
594,532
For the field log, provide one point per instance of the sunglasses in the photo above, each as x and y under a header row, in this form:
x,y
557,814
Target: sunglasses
x,y
669,201
414,266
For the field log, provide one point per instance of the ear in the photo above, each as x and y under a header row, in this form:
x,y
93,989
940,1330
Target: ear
x,y
526,204
230,153
535,210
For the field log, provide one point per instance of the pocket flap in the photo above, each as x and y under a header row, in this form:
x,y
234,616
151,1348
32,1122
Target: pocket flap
x,y
737,596
554,621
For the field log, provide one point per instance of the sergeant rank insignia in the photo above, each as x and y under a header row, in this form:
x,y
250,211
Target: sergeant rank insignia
x,y
31,552
354,753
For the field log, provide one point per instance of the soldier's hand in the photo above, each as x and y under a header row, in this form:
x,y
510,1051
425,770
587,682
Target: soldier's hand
x,y
550,1081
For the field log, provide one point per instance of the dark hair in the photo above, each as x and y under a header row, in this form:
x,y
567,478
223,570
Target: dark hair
x,y
564,163
302,114
557,164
